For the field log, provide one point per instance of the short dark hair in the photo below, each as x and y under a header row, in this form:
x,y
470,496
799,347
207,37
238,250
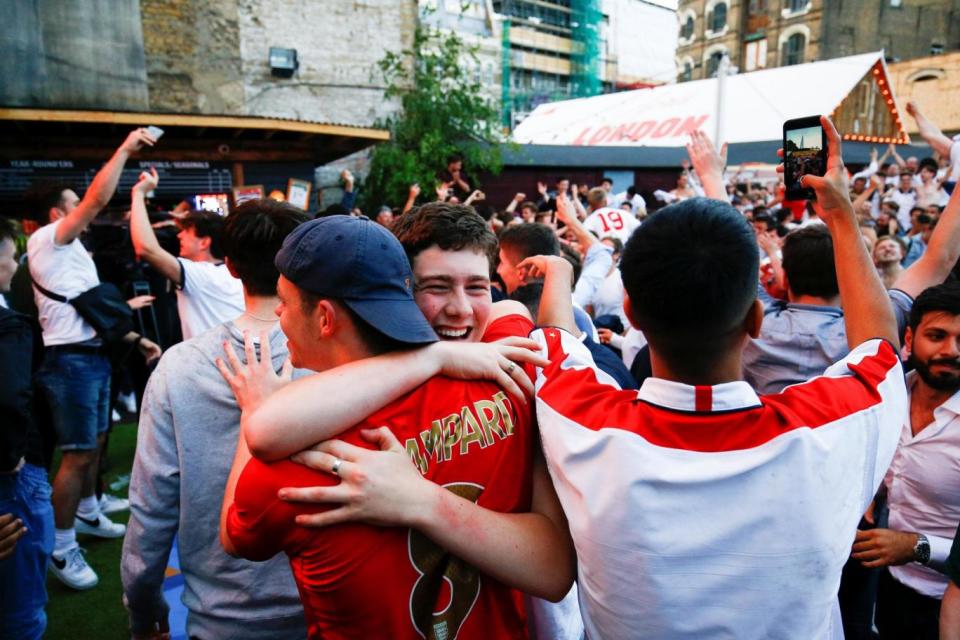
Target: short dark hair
x,y
529,239
206,224
452,227
691,274
808,262
252,236
942,297
42,196
929,163
529,204
454,157
8,229
606,179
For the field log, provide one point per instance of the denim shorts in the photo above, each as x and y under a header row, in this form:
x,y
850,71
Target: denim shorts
x,y
23,576
76,386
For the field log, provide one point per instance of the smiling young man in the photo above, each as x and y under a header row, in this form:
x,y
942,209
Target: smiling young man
x,y
207,294
472,517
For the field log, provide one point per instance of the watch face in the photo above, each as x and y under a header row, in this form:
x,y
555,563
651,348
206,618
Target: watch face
x,y
922,550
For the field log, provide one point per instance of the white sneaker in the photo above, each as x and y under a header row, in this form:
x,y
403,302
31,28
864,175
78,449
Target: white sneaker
x,y
128,401
72,570
102,527
113,504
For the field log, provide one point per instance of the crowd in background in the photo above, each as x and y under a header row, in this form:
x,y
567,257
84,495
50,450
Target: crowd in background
x,y
197,283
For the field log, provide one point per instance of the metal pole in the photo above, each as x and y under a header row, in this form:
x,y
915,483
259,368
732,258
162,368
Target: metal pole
x,y
722,71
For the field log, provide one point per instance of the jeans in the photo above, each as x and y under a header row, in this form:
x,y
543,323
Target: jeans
x,y
77,389
23,576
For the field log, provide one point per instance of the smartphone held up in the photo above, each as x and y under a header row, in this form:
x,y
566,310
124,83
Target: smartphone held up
x,y
804,153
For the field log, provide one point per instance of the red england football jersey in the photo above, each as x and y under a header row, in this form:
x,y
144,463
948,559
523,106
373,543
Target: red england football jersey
x,y
360,581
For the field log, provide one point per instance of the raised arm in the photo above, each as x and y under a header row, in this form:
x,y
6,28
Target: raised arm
x,y
556,303
411,197
867,311
929,131
517,199
941,255
145,243
102,188
709,164
320,406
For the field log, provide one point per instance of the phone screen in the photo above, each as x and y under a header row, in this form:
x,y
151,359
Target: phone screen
x,y
804,153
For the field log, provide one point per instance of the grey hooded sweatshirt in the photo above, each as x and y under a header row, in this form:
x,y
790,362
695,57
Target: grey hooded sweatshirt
x,y
189,424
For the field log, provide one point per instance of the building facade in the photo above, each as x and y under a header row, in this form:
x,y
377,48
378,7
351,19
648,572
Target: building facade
x,y
535,51
758,34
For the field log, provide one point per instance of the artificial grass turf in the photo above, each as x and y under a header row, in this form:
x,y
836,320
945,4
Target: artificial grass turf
x,y
98,612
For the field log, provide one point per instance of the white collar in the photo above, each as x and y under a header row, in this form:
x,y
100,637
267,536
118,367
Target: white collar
x,y
729,396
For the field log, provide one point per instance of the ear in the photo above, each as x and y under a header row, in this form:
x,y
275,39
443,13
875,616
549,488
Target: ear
x,y
204,242
628,311
54,214
908,342
231,268
326,318
754,319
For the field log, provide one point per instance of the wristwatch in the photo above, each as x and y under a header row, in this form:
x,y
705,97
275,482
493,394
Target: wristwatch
x,y
921,550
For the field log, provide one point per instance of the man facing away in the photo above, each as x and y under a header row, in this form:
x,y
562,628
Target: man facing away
x,y
482,517
699,509
186,440
207,293
75,375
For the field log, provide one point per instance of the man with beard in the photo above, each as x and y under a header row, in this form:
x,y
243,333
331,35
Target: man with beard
x,y
923,483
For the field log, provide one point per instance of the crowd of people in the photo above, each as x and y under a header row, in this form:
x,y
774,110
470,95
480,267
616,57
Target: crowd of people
x,y
573,417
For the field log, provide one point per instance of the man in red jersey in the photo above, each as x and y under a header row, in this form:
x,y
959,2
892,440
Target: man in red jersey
x,y
363,581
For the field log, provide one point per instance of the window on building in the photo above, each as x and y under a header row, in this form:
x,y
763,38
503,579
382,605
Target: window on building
x,y
755,55
936,48
797,5
793,50
686,31
687,73
718,18
755,7
713,63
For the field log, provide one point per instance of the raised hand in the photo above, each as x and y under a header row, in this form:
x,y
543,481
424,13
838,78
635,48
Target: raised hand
x,y
137,139
147,182
256,380
833,189
708,163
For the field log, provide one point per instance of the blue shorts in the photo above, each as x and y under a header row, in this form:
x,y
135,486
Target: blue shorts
x,y
23,576
76,386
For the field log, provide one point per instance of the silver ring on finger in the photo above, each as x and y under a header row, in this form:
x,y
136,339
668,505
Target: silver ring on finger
x,y
511,367
335,469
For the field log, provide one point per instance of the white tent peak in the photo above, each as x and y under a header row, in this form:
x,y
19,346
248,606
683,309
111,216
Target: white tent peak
x,y
757,104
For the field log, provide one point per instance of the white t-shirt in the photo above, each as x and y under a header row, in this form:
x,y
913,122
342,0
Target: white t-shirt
x,y
606,222
64,269
208,296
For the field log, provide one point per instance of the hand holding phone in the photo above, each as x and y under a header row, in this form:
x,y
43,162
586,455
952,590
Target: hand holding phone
x,y
155,132
804,153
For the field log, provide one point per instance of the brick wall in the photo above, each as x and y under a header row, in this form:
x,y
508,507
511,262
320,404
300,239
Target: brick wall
x,y
211,56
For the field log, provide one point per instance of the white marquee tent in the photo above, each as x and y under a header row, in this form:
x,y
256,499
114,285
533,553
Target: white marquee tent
x,y
855,90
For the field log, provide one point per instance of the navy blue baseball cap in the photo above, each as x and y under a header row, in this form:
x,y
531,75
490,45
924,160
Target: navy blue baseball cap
x,y
361,264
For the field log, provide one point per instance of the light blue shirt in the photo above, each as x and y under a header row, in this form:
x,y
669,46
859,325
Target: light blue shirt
x,y
799,341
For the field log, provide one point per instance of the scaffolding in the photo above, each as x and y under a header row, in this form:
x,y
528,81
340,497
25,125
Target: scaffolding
x,y
585,18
